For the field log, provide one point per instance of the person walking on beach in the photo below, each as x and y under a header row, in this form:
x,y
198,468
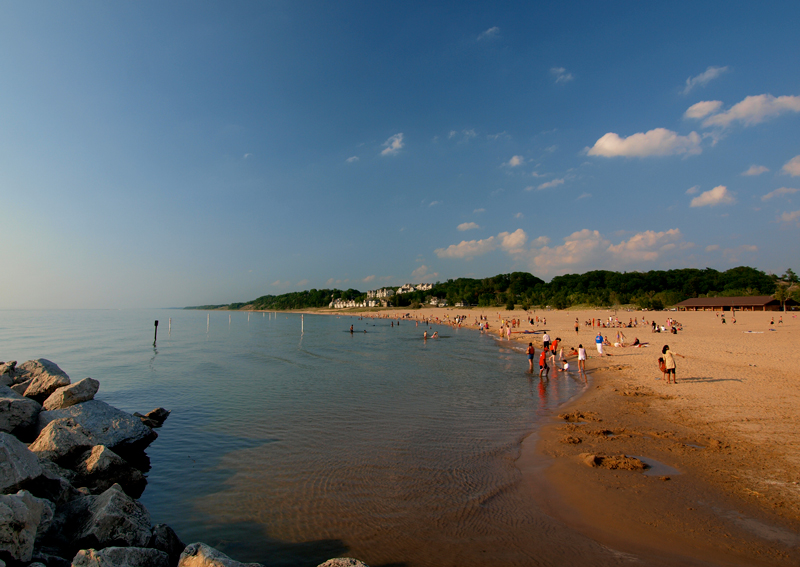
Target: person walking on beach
x,y
546,341
576,325
598,340
530,352
581,360
669,363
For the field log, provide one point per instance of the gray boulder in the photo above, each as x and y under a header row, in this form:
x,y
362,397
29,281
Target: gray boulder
x,y
45,378
20,387
121,557
8,368
16,412
111,519
154,418
99,468
18,464
202,555
61,440
55,484
165,539
105,425
22,517
81,391
343,562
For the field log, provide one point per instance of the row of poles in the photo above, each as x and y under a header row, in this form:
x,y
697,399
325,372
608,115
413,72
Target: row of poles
x,y
208,324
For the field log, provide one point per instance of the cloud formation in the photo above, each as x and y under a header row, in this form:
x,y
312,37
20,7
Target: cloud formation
x,y
703,78
752,110
719,195
468,249
393,145
779,192
755,170
561,75
792,167
549,184
657,142
515,161
352,159
693,190
702,109
491,32
467,226
790,217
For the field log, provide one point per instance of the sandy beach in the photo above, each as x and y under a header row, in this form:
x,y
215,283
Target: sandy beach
x,y
722,444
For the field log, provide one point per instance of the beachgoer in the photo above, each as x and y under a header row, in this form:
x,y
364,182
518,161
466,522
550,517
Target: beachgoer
x,y
599,342
663,367
425,335
546,341
780,320
530,352
576,325
543,364
351,329
581,359
669,361
564,367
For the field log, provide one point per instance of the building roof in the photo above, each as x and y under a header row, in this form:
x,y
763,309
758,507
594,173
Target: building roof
x,y
742,301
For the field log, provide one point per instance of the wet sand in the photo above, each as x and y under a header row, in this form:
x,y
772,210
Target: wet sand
x,y
723,442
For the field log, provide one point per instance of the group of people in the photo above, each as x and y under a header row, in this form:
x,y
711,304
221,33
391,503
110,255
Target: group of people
x,y
550,352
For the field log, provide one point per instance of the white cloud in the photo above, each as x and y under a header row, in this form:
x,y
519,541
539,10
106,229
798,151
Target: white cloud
x,y
393,145
467,248
467,226
279,283
790,217
702,109
515,161
657,142
491,32
302,283
755,109
583,196
502,134
693,190
779,192
530,188
519,216
423,273
247,156
578,248
451,134
792,167
479,211
540,241
368,279
719,195
549,184
712,247
703,78
513,242
434,203
352,159
755,170
645,245
537,174
562,76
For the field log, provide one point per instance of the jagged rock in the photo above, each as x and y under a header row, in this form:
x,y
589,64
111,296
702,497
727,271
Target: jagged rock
x,y
121,557
165,539
153,418
49,559
45,378
202,555
17,464
81,391
105,425
8,368
343,562
61,440
20,387
111,519
99,468
16,412
22,516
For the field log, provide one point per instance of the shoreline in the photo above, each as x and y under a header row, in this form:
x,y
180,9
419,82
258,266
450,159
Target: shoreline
x,y
725,491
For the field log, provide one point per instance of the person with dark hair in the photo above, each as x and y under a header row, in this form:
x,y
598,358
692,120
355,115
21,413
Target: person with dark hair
x,y
530,352
669,363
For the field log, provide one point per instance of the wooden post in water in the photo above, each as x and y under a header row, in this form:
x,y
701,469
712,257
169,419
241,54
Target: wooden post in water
x,y
155,336
301,324
208,321
169,326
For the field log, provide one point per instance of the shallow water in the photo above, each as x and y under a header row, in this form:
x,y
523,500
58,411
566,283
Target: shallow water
x,y
289,449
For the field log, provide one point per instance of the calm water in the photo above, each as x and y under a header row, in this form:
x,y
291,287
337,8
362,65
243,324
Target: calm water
x,y
289,449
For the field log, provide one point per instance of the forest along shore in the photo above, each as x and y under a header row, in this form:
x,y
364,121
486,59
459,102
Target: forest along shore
x,y
721,446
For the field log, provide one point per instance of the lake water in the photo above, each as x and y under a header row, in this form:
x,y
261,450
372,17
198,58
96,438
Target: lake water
x,y
288,449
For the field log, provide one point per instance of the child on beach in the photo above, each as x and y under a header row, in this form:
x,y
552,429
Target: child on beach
x,y
543,364
663,367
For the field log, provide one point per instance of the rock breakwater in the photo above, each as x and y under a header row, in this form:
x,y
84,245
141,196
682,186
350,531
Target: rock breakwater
x,y
71,471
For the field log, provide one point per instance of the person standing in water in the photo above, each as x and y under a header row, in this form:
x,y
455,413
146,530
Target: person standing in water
x,y
530,352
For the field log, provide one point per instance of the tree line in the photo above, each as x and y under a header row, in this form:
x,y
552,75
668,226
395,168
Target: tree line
x,y
655,289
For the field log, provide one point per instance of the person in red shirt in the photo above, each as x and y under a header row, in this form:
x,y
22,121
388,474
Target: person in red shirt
x,y
543,364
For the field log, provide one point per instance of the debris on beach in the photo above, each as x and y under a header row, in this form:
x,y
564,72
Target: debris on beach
x,y
613,462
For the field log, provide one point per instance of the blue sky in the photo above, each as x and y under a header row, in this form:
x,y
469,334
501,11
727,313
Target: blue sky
x,y
159,154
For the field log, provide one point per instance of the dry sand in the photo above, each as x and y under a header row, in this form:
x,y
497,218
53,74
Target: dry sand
x,y
727,431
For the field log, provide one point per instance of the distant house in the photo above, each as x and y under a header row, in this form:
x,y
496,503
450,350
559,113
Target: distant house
x,y
405,288
424,286
746,303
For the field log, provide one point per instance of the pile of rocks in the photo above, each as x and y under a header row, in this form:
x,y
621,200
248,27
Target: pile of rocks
x,y
71,470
